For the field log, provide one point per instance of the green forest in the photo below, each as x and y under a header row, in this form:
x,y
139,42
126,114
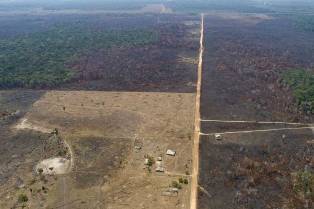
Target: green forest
x,y
39,59
302,84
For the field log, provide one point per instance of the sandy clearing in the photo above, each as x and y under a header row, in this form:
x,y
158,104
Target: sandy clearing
x,y
52,166
25,124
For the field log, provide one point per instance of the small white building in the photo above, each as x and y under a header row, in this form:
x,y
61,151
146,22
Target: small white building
x,y
218,137
159,167
171,152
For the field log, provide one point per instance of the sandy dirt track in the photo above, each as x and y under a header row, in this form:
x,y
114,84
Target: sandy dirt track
x,y
194,183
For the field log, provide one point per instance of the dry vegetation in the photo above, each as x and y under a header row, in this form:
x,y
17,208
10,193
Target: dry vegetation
x,y
103,130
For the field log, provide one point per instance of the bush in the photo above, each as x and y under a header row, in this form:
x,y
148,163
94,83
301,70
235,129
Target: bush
x,y
151,160
186,181
181,180
22,198
175,184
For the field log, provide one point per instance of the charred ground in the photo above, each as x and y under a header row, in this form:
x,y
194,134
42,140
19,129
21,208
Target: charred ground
x,y
243,62
254,163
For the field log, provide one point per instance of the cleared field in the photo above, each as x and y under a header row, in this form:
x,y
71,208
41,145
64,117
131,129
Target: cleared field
x,y
104,131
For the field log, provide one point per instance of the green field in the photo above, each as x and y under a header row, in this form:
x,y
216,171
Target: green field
x,y
39,59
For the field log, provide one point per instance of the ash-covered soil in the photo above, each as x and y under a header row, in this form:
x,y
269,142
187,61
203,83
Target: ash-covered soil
x,y
243,60
249,168
257,170
167,65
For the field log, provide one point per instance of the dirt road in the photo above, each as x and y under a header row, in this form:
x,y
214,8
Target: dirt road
x,y
194,182
262,130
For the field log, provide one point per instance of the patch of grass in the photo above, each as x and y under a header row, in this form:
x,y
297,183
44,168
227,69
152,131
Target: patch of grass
x,y
40,59
304,184
302,84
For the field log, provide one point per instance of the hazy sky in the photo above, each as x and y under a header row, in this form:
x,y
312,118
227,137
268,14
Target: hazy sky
x,y
42,3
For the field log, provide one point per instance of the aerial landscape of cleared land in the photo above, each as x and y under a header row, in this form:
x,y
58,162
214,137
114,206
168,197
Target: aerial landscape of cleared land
x,y
158,105
118,91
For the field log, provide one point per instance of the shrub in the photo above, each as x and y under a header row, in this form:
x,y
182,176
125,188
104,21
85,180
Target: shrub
x,y
151,160
175,184
186,181
22,198
181,180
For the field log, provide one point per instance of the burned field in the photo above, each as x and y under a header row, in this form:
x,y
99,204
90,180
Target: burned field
x,y
246,160
99,52
167,65
244,58
257,170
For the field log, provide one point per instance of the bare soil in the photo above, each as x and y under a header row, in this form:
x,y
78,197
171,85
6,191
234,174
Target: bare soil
x,y
103,130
